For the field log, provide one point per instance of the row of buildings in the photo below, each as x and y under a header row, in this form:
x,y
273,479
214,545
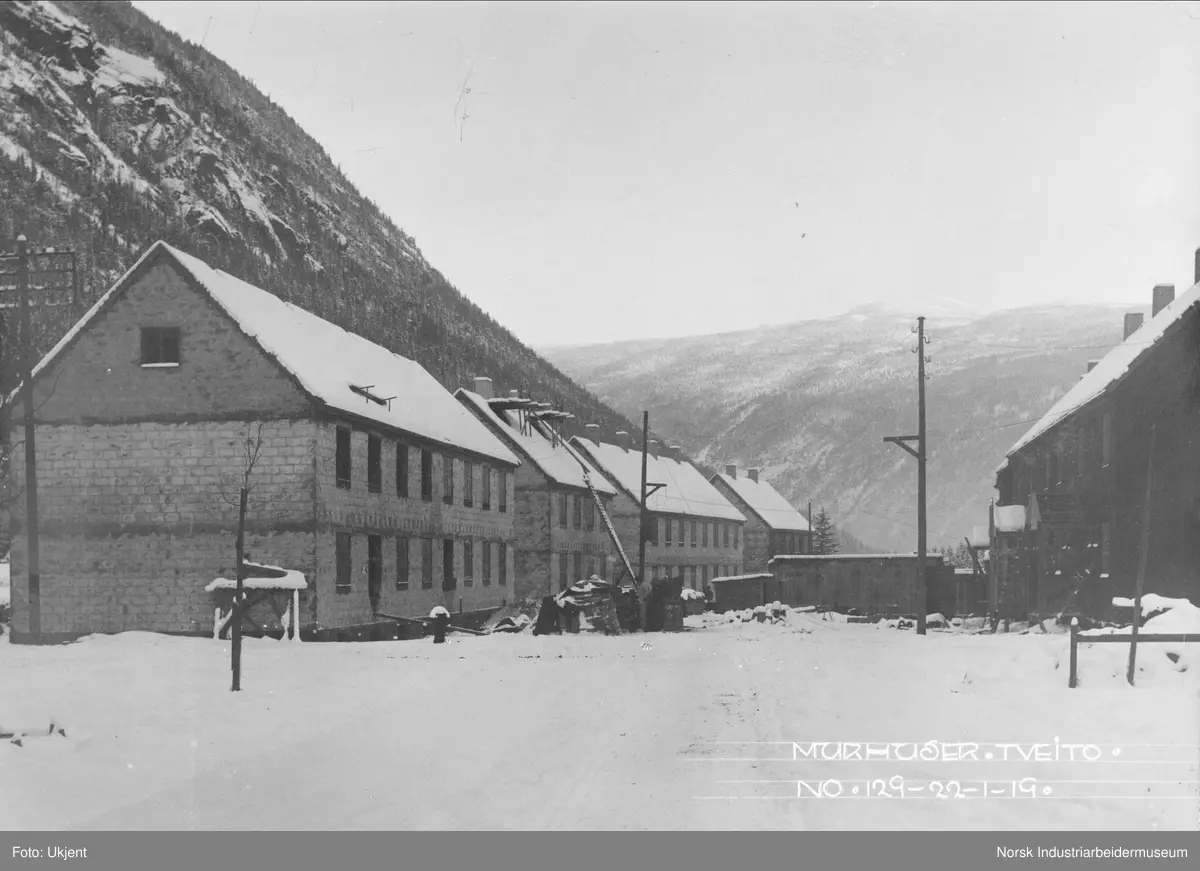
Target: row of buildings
x,y
1106,485
388,493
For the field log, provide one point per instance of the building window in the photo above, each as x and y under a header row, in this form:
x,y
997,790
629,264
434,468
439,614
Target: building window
x,y
589,515
562,570
342,557
670,537
468,564
578,515
343,457
448,580
503,566
578,568
402,470
689,577
374,569
426,563
427,475
562,510
737,534
503,491
487,488
487,564
468,483
160,346
652,530
374,464
401,563
692,533
447,480
724,535
704,534
603,561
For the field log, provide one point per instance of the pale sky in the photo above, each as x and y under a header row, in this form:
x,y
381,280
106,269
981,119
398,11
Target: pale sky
x,y
665,169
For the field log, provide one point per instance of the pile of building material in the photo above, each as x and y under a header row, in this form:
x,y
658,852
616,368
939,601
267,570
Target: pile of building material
x,y
592,601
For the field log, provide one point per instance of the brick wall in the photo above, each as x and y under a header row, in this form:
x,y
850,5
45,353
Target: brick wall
x,y
756,544
675,559
134,521
597,555
362,513
221,373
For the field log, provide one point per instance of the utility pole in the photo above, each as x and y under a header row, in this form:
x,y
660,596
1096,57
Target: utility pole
x,y
921,455
643,587
50,263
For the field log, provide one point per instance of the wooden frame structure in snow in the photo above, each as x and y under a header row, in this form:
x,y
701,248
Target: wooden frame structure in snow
x,y
271,584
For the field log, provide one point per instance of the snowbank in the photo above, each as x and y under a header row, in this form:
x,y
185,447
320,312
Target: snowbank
x,y
1158,664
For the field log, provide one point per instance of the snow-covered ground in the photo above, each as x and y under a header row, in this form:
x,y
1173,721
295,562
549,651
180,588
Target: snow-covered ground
x,y
513,731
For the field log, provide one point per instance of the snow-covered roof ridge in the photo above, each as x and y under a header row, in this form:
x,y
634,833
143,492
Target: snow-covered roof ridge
x,y
273,578
553,459
767,502
325,360
1112,368
687,491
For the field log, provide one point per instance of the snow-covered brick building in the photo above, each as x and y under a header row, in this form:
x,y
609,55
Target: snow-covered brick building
x,y
773,525
561,538
372,481
1080,474
692,531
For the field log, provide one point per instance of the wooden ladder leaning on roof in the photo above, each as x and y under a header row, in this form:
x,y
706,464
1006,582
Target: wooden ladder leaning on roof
x,y
612,532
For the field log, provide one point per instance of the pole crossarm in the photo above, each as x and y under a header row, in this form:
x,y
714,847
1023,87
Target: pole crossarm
x,y
651,489
900,440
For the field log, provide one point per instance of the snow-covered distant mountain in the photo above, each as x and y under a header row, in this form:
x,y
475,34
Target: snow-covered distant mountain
x,y
809,403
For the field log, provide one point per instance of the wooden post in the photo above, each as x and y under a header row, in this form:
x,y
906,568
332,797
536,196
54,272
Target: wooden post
x,y
922,581
643,586
31,502
1145,557
1073,680
236,646
295,615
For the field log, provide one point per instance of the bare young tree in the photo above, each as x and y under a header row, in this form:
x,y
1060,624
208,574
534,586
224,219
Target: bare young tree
x,y
251,444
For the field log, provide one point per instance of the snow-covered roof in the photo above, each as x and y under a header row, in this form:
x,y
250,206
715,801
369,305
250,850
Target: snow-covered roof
x,y
1112,368
327,360
765,501
554,459
686,492
274,578
755,577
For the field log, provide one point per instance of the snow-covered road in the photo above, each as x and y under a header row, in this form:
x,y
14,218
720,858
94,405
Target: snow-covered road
x,y
582,732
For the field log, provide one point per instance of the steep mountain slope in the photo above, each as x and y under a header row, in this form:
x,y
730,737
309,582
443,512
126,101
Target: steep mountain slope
x,y
115,132
810,403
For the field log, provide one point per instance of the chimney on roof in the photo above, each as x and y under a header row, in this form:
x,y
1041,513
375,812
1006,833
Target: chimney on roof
x,y
592,432
514,394
753,475
1164,295
1133,322
731,471
624,441
483,386
1092,364
1196,275
654,446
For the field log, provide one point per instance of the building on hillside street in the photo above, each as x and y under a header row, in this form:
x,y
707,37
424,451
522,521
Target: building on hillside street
x,y
560,536
692,531
1076,481
773,526
372,481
